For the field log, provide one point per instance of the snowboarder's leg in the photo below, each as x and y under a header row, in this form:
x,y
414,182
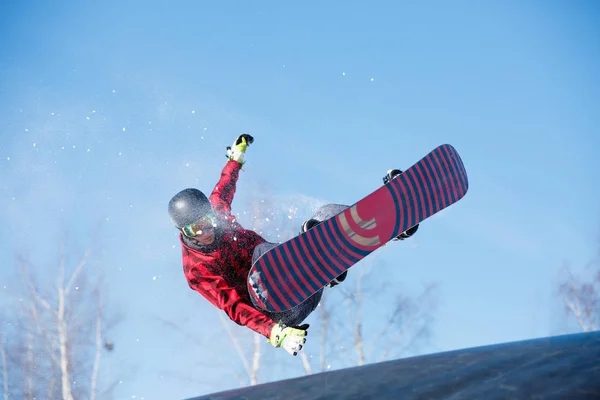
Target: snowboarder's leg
x,y
391,174
325,212
296,315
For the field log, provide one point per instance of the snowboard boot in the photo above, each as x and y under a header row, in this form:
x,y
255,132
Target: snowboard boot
x,y
391,174
311,223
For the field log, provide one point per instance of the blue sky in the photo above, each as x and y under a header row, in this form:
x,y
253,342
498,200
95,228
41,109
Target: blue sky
x,y
109,109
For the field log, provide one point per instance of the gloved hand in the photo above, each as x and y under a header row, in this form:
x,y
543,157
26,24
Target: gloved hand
x,y
236,151
291,338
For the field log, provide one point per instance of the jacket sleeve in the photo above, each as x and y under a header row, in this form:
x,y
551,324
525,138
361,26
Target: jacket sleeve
x,y
222,195
216,290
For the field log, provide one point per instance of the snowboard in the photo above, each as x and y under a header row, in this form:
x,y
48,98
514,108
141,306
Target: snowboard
x,y
291,272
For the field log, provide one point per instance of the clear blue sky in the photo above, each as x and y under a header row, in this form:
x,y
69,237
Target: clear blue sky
x,y
108,109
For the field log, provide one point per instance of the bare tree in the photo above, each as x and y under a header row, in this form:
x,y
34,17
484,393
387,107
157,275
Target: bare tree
x,y
579,293
581,299
58,335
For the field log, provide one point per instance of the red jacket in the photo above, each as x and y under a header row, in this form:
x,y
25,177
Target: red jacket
x,y
221,274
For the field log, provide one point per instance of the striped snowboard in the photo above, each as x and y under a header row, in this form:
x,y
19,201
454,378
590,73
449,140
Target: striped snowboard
x,y
290,273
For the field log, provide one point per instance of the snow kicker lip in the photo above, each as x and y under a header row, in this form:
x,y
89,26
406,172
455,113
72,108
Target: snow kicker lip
x,y
555,367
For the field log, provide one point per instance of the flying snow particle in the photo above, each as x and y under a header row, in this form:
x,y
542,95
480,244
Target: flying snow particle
x,y
88,118
76,287
124,129
120,153
372,79
267,219
7,158
193,111
88,150
114,91
343,74
154,278
34,144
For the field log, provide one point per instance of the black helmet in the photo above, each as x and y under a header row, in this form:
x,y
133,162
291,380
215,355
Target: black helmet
x,y
187,207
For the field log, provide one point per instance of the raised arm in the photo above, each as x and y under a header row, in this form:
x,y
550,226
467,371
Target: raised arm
x,y
222,195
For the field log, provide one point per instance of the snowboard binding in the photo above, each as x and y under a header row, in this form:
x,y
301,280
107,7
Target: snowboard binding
x,y
391,174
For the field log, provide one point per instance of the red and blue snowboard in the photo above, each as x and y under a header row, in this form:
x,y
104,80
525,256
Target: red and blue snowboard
x,y
290,273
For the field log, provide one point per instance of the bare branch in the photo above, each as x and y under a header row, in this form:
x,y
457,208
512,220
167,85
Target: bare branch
x,y
63,346
82,261
305,363
51,388
35,314
324,331
29,366
358,338
256,358
34,291
99,345
77,271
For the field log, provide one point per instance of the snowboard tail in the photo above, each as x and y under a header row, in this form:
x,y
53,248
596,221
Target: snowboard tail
x,y
290,273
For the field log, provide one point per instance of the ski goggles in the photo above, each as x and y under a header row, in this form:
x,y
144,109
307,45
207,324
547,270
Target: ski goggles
x,y
206,222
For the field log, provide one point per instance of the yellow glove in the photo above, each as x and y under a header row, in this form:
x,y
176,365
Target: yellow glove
x,y
291,338
236,151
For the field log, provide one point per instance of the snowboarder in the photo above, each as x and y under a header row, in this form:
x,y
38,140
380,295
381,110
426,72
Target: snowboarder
x,y
218,253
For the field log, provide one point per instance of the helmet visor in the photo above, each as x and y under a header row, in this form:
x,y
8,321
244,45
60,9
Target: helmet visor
x,y
208,221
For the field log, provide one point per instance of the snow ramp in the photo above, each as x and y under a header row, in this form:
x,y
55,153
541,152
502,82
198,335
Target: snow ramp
x,y
557,367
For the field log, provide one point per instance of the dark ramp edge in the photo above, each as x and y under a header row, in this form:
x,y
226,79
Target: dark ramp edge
x,y
558,367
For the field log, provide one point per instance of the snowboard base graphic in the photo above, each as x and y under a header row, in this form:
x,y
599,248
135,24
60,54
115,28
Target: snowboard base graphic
x,y
290,273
